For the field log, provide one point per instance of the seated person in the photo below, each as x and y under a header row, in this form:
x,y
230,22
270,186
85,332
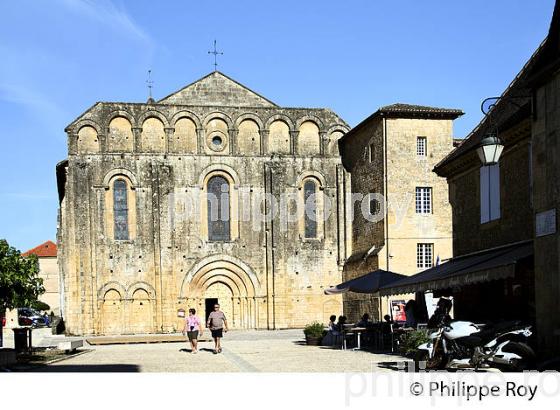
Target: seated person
x,y
333,333
364,321
387,323
332,322
410,311
341,323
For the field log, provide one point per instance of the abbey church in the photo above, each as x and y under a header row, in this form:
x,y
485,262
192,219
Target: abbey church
x,y
137,240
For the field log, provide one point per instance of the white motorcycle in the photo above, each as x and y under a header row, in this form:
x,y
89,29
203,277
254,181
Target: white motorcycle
x,y
463,344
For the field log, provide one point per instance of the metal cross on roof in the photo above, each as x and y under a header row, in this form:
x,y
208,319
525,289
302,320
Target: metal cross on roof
x,y
150,83
216,53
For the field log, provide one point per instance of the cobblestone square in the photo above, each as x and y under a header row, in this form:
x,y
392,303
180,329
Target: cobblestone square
x,y
243,351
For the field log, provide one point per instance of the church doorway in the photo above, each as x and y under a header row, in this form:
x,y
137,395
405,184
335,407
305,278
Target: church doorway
x,y
210,302
230,283
220,293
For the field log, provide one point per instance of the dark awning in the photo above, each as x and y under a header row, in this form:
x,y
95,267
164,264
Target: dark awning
x,y
483,266
368,283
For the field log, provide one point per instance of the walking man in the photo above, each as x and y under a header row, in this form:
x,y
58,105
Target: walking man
x,y
217,324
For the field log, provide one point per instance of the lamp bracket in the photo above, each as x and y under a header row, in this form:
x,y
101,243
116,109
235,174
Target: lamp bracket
x,y
489,103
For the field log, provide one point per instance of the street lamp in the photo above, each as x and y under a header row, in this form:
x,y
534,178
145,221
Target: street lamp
x,y
490,149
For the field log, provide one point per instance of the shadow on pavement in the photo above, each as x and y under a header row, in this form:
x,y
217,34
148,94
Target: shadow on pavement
x,y
88,368
396,366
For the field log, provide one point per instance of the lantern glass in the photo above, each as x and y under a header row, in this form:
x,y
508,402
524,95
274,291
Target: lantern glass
x,y
490,150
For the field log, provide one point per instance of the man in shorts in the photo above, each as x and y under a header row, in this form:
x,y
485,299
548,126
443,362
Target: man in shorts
x,y
217,324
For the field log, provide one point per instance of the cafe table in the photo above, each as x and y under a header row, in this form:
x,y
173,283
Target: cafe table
x,y
357,331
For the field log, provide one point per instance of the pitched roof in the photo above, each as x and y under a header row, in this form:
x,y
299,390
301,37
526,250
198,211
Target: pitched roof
x,y
217,89
400,110
548,59
45,250
408,109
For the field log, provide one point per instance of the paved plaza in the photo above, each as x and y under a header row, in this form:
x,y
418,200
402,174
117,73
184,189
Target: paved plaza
x,y
243,351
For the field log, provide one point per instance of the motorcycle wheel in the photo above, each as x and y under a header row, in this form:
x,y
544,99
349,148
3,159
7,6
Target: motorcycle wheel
x,y
527,355
423,362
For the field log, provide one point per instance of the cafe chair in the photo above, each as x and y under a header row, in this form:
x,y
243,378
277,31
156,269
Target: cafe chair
x,y
345,337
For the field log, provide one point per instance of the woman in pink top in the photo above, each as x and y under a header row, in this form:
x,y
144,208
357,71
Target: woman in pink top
x,y
192,328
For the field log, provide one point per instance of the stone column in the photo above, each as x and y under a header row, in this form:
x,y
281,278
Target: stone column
x,y
137,133
125,314
233,321
200,143
169,133
264,134
233,148
102,141
242,321
294,135
72,143
323,142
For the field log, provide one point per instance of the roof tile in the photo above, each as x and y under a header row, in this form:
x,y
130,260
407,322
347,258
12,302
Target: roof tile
x,y
45,250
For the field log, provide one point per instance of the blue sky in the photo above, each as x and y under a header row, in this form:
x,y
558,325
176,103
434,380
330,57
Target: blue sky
x,y
58,57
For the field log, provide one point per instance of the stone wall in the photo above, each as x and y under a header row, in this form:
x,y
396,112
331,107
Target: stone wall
x,y
274,277
48,271
546,168
405,171
382,158
515,223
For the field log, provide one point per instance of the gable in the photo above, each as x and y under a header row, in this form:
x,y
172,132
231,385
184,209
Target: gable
x,y
217,89
45,250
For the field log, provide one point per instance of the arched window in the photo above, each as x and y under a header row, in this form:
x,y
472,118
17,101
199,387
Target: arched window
x,y
120,210
218,209
310,203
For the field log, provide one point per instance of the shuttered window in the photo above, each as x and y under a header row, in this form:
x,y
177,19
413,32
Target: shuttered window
x,y
489,193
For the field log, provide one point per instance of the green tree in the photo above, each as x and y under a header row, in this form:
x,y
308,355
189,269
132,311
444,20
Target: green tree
x,y
20,284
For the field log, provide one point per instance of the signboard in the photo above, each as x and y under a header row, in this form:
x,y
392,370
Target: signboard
x,y
545,223
397,310
180,312
431,303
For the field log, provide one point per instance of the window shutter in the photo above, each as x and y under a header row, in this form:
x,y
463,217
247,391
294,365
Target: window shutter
x,y
484,195
494,192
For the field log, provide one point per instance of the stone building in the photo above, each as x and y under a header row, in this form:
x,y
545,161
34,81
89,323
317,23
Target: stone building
x,y
405,225
505,233
492,215
545,185
48,271
161,208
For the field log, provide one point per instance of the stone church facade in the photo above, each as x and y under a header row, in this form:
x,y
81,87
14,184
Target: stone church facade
x,y
139,191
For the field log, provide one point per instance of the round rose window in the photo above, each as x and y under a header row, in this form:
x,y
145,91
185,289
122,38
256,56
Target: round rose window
x,y
217,141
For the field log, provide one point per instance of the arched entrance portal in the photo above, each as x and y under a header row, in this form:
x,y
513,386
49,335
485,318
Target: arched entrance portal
x,y
219,293
227,281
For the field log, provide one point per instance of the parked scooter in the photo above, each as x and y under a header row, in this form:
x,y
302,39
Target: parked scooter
x,y
462,344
